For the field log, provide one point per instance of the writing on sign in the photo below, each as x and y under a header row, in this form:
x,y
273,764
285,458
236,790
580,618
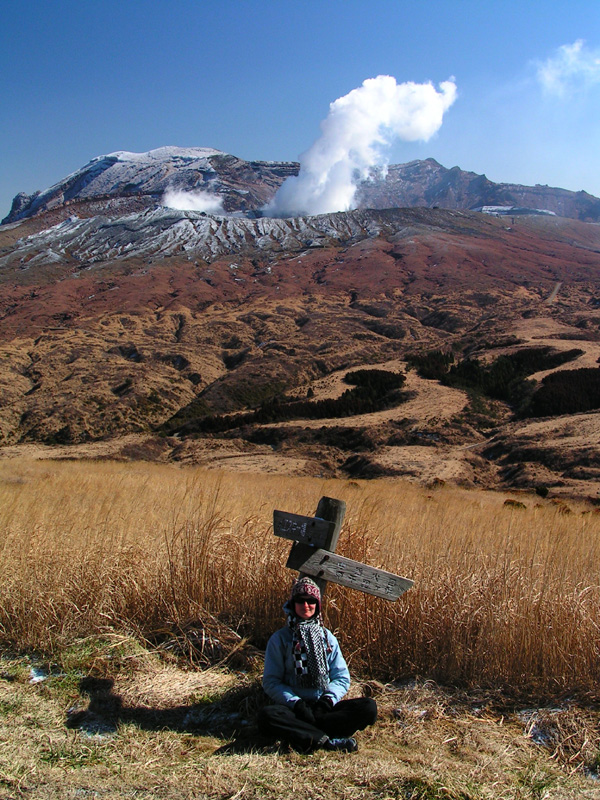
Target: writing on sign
x,y
308,530
338,569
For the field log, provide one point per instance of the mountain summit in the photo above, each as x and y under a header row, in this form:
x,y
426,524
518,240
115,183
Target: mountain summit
x,y
123,182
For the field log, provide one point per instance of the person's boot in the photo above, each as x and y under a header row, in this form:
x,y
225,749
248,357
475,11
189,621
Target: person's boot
x,y
348,745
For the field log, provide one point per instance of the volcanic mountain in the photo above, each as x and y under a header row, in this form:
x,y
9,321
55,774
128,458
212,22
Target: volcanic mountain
x,y
123,182
396,339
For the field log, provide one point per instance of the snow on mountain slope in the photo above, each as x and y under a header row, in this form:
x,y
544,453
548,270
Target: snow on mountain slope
x,y
164,232
123,172
126,171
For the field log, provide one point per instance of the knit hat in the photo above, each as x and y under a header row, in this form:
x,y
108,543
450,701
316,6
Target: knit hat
x,y
305,587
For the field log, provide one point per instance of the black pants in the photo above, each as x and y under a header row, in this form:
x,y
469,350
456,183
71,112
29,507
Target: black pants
x,y
346,717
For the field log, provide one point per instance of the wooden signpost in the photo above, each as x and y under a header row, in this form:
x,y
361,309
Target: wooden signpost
x,y
313,552
307,530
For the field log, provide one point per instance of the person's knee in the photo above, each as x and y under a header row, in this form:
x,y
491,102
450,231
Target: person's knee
x,y
370,710
367,710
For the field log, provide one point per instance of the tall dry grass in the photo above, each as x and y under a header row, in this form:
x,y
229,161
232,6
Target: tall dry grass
x,y
504,597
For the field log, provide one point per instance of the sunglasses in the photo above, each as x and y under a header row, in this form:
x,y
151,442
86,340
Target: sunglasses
x,y
308,600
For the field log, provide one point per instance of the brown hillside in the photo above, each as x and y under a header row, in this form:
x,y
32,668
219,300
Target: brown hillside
x,y
91,353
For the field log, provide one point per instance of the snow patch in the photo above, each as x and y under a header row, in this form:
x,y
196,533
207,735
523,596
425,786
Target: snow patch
x,y
501,211
162,153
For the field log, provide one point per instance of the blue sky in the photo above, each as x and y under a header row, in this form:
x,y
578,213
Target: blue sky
x,y
255,78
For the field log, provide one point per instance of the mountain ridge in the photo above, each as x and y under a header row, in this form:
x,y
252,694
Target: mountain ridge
x,y
247,186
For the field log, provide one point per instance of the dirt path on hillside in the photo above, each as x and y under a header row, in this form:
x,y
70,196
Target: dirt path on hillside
x,y
552,296
427,464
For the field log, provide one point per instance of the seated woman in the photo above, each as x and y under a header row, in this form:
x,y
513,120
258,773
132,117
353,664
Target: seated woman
x,y
306,677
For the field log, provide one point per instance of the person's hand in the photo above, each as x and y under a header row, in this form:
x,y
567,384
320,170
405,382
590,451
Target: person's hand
x,y
323,705
304,712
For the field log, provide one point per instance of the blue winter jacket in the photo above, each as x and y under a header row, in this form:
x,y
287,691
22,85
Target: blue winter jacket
x,y
279,678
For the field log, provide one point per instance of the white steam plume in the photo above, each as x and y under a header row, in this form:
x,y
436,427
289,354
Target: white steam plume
x,y
355,134
193,201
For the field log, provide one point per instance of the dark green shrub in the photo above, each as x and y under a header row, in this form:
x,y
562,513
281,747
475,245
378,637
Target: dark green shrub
x,y
566,392
432,365
374,390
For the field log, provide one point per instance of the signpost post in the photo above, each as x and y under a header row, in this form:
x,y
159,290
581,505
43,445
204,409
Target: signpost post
x,y
313,552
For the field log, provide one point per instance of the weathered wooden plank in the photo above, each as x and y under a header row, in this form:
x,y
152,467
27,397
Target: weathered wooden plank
x,y
333,511
308,530
338,569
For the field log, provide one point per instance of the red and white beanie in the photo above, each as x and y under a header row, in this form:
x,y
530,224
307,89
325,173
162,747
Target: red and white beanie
x,y
305,587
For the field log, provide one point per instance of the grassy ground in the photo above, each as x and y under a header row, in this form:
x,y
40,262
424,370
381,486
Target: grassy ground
x,y
141,596
149,729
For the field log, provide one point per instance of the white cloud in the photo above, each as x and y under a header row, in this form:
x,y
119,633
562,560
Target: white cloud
x,y
573,66
193,201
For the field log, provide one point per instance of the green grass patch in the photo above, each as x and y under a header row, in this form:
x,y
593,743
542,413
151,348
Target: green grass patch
x,y
8,707
535,783
71,754
421,789
99,654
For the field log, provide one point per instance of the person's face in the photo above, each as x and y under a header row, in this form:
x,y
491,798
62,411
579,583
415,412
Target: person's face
x,y
305,607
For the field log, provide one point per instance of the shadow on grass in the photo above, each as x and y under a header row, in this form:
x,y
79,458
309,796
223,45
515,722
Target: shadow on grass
x,y
231,717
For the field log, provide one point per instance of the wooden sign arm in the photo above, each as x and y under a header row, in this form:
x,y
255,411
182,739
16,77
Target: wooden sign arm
x,y
323,565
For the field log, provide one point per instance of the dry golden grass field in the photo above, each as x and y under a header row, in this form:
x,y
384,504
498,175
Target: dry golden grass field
x,y
138,599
